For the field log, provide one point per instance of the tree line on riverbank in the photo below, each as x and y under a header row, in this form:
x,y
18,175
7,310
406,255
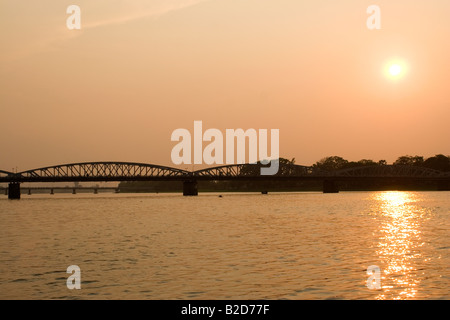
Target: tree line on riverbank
x,y
438,162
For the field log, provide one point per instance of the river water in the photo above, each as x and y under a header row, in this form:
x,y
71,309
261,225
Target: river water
x,y
239,246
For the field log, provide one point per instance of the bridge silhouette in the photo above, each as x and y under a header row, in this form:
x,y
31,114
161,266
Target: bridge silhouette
x,y
130,171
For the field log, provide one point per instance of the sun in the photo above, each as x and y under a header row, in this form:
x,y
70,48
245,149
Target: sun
x,y
395,70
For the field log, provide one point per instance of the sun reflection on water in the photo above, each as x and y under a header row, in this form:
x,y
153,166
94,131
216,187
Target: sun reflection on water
x,y
399,243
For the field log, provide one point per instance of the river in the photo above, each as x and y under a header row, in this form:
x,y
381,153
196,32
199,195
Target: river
x,y
238,246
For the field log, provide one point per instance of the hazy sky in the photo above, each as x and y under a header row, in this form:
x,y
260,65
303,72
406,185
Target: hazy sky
x,y
137,70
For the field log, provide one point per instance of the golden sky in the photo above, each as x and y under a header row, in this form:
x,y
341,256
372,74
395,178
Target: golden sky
x,y
137,70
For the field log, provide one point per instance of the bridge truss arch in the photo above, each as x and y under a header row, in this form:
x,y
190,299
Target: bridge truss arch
x,y
254,171
101,171
5,173
389,171
445,174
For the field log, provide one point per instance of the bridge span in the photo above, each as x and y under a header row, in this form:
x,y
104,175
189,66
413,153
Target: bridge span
x,y
130,171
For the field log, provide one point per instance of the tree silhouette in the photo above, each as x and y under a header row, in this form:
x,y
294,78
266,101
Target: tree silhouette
x,y
332,163
438,162
409,161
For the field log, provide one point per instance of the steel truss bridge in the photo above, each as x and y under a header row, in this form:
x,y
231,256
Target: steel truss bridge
x,y
129,171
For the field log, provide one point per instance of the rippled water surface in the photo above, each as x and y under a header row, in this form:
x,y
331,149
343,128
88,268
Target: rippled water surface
x,y
239,246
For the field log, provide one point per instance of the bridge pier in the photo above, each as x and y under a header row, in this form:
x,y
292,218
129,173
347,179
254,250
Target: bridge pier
x,y
190,188
330,186
14,190
443,185
51,191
